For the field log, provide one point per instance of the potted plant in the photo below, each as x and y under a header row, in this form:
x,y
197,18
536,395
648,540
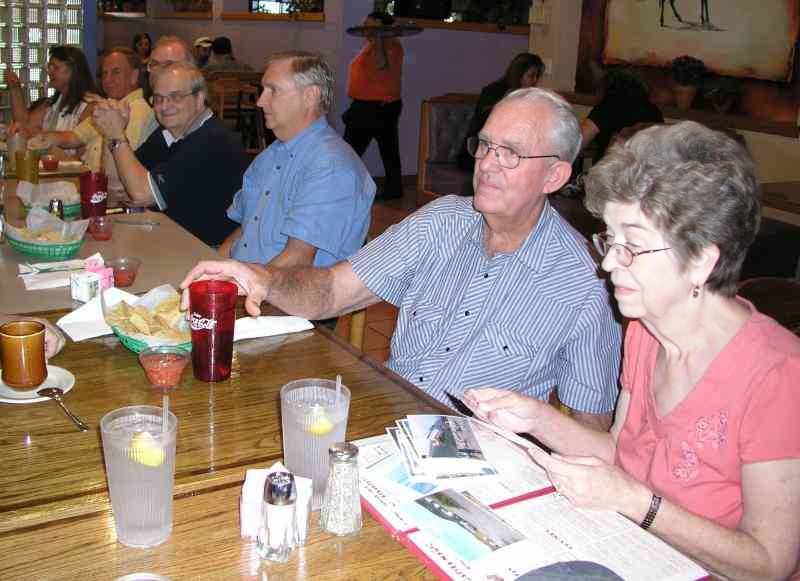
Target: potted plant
x,y
688,73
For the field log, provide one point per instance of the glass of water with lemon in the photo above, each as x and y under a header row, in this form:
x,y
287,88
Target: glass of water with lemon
x,y
314,417
140,467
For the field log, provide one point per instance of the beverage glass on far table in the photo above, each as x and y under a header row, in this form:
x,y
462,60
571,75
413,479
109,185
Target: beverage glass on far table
x,y
212,307
22,346
140,467
94,194
101,227
27,166
313,419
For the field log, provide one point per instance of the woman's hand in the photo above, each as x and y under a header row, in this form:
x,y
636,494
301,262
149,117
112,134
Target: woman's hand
x,y
590,482
507,409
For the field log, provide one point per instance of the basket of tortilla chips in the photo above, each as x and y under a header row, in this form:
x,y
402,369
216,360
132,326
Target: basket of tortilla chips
x,y
150,321
45,237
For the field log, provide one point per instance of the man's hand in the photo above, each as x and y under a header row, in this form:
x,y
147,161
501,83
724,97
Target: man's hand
x,y
252,280
111,118
506,409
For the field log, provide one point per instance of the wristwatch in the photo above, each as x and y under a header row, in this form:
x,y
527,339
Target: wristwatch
x,y
113,144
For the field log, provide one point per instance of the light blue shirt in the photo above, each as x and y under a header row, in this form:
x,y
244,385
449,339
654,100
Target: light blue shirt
x,y
529,321
313,188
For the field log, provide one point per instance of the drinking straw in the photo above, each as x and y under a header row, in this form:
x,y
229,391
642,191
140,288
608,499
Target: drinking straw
x,y
338,388
164,413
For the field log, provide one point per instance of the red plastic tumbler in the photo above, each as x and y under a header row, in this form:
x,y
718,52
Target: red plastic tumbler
x,y
94,194
212,304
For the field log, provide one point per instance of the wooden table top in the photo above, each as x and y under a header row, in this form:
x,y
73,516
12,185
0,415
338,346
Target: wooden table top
x,y
55,517
167,252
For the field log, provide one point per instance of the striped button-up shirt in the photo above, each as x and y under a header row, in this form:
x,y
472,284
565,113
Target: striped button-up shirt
x,y
529,321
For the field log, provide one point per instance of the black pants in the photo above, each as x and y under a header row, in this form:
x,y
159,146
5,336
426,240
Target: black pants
x,y
368,120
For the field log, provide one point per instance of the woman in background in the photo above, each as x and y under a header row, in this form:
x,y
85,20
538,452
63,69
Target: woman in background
x,y
705,446
70,76
142,45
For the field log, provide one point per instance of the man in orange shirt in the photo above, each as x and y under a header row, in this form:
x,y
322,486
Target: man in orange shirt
x,y
374,86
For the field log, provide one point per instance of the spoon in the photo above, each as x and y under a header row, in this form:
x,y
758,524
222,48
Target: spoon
x,y
55,394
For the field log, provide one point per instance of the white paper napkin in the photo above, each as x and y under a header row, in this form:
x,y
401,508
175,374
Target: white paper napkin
x,y
33,279
252,327
87,321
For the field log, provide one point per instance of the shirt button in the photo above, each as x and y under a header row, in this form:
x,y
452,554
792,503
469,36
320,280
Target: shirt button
x,y
466,313
421,379
255,218
245,244
414,314
505,347
277,167
486,275
447,349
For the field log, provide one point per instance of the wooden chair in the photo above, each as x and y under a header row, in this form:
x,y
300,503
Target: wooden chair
x,y
229,96
778,298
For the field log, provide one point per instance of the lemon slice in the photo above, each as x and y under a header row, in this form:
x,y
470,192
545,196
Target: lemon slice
x,y
321,424
144,449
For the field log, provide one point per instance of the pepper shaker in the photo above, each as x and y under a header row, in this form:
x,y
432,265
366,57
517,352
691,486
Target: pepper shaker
x,y
276,534
341,505
56,207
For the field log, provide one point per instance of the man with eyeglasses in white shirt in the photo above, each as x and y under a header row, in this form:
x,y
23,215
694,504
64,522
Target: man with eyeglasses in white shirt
x,y
192,167
495,290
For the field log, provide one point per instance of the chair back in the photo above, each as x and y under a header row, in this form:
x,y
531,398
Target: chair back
x,y
778,298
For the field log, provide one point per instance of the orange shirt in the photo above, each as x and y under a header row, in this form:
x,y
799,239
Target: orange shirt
x,y
369,83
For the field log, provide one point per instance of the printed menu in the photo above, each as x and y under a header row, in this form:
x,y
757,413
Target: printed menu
x,y
496,516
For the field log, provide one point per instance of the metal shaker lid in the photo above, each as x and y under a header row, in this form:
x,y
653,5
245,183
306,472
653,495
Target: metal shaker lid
x,y
279,488
343,452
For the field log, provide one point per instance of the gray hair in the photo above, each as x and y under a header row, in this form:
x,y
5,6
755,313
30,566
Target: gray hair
x,y
197,82
171,39
309,68
564,133
697,186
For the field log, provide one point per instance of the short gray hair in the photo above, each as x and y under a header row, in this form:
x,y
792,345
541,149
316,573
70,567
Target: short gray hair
x,y
197,82
564,133
171,39
309,68
697,186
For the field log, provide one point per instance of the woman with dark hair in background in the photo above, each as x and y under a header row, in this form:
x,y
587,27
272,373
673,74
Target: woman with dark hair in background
x,y
525,70
70,76
142,45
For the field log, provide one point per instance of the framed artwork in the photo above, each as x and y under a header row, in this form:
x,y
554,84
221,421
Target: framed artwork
x,y
737,38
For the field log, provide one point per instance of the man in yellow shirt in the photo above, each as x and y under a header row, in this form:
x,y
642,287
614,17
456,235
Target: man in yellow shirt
x,y
120,68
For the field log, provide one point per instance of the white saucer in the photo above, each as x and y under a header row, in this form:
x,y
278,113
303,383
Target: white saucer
x,y
56,377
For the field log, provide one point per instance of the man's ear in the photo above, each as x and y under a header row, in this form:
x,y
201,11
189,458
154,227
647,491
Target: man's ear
x,y
311,96
557,176
135,77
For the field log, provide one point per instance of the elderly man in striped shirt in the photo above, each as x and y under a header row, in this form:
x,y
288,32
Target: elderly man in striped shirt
x,y
496,290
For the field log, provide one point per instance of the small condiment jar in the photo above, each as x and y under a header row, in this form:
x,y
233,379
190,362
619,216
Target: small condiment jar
x,y
276,534
341,505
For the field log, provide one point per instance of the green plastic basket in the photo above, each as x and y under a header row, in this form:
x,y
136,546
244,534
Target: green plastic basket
x,y
44,250
138,346
70,210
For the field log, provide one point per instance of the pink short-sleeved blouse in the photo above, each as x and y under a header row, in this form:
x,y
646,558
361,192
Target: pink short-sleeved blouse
x,y
744,410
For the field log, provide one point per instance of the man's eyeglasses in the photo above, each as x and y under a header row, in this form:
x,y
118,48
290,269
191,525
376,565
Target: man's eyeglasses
x,y
623,254
172,98
506,157
153,64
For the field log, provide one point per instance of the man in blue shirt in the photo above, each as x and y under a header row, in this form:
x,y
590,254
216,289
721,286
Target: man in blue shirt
x,y
306,199
497,290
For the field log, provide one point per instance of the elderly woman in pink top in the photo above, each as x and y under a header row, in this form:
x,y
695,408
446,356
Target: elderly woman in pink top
x,y
705,446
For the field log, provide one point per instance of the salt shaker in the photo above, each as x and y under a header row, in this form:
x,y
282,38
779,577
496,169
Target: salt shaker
x,y
276,534
341,505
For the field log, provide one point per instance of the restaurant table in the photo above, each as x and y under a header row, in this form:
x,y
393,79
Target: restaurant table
x,y
55,518
167,252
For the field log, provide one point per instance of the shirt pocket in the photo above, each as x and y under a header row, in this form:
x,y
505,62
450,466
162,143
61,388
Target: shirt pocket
x,y
423,322
504,358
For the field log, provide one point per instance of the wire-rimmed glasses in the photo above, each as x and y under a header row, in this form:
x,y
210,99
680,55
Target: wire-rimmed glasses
x,y
623,254
172,98
506,157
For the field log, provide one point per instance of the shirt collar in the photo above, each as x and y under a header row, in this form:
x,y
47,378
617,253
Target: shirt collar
x,y
193,126
307,133
133,96
533,250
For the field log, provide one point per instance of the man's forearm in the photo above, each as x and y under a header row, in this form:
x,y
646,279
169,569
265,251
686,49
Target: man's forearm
x,y
224,249
600,422
132,173
63,139
302,290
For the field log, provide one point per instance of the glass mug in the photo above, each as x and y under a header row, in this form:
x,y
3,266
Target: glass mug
x,y
22,344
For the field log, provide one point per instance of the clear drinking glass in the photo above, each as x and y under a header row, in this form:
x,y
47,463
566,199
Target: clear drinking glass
x,y
313,420
140,467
